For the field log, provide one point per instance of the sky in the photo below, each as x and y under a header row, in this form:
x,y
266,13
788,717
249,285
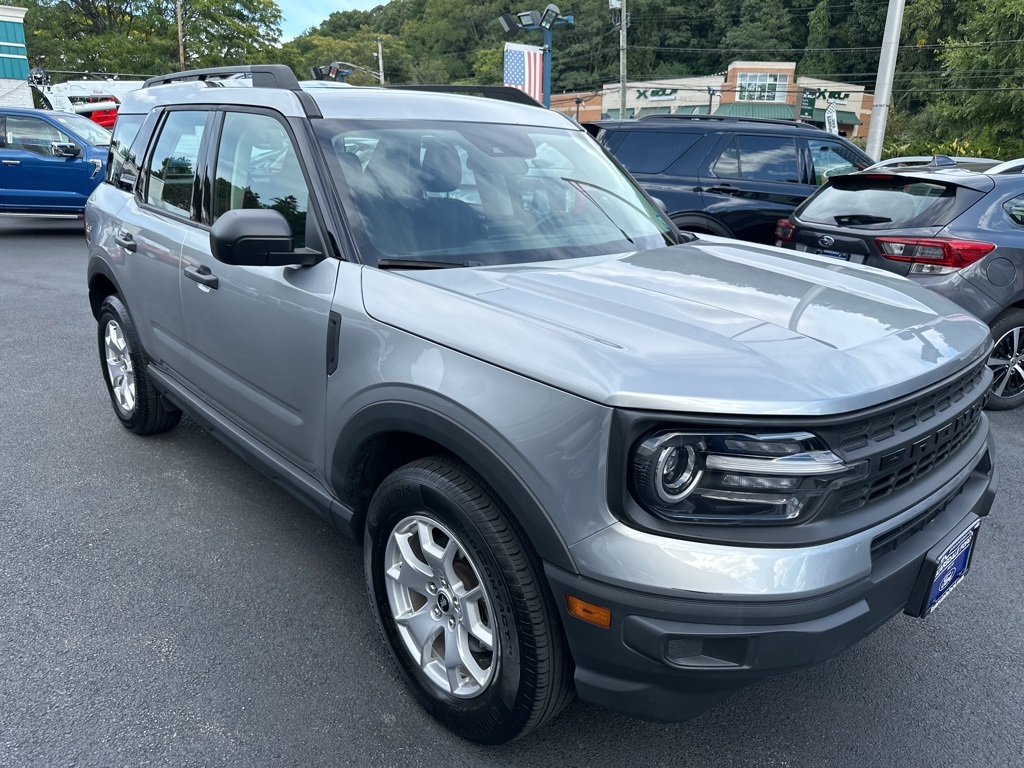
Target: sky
x,y
300,15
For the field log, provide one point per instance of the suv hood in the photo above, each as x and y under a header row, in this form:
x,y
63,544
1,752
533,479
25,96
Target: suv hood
x,y
712,326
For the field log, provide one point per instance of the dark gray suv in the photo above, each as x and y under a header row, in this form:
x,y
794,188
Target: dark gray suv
x,y
582,451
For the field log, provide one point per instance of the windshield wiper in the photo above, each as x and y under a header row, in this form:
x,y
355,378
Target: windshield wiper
x,y
847,219
423,264
579,187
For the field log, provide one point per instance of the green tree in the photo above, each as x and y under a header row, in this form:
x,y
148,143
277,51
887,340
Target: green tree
x,y
818,60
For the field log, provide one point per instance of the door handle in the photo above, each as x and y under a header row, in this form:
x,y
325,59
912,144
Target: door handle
x,y
203,276
126,241
11,162
725,189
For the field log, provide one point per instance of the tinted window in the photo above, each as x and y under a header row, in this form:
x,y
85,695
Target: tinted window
x,y
648,152
761,158
257,167
885,204
125,131
831,158
1015,209
172,168
32,135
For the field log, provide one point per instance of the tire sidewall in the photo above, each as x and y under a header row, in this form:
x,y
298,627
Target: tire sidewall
x,y
500,707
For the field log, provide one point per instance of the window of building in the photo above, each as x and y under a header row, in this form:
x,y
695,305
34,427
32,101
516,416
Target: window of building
x,y
761,86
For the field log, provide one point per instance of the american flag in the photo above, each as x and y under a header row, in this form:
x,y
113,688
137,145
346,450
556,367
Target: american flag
x,y
524,69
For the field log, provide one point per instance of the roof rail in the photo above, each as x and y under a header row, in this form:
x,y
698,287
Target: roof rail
x,y
731,118
499,92
263,76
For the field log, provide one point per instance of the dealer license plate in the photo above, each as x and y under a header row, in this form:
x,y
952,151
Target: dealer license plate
x,y
944,572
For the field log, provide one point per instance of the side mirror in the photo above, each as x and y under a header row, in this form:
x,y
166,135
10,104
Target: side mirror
x,y
660,204
257,237
65,149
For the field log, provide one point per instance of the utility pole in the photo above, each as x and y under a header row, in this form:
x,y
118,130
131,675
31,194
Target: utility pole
x,y
181,39
622,61
380,61
883,84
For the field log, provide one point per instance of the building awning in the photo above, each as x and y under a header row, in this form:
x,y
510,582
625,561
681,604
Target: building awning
x,y
843,117
644,111
697,109
781,112
757,109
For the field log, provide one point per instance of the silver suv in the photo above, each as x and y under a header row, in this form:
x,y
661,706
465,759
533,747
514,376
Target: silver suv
x,y
582,450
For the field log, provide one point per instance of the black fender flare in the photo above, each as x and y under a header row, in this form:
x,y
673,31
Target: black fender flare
x,y
97,268
430,421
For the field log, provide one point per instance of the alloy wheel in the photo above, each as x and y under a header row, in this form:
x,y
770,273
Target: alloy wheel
x,y
440,606
120,370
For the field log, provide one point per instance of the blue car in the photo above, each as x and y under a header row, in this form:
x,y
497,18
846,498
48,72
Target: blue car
x,y
50,162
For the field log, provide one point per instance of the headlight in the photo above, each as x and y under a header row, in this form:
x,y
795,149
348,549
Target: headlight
x,y
735,478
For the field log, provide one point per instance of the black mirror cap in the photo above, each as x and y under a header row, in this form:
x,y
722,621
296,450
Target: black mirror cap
x,y
65,149
257,237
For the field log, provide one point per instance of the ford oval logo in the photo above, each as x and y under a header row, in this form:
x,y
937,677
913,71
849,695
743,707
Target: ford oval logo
x,y
825,241
947,578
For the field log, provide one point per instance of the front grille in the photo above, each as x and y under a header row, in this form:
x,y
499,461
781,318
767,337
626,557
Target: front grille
x,y
887,425
891,540
898,465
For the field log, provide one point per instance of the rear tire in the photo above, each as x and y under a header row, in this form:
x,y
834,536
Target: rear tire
x,y
1007,361
136,402
460,600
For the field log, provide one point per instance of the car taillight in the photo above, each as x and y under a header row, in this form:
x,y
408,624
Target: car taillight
x,y
932,255
785,230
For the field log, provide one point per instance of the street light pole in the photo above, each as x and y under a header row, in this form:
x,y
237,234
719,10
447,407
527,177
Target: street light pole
x,y
883,84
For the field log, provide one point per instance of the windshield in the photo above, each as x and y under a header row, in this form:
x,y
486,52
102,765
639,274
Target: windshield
x,y
474,193
95,134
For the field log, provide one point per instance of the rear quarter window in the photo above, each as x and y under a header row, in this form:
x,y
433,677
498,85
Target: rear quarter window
x,y
1015,209
653,152
886,205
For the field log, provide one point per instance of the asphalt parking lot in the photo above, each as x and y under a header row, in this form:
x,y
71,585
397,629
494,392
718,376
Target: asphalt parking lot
x,y
161,603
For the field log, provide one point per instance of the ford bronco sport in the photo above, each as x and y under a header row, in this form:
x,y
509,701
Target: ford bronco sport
x,y
582,451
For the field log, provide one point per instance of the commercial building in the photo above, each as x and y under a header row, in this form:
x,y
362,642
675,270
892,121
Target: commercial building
x,y
746,88
14,88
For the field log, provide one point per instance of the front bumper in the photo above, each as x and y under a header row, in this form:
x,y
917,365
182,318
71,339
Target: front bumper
x,y
668,658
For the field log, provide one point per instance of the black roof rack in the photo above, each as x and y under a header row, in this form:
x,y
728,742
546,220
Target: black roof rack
x,y
499,92
263,76
731,118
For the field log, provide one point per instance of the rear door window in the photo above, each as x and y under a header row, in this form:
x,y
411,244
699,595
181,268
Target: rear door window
x,y
653,152
172,167
759,158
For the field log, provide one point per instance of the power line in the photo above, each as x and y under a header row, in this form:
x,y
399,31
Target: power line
x,y
823,50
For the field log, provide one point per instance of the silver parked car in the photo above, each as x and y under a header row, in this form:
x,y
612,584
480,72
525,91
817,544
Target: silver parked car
x,y
582,451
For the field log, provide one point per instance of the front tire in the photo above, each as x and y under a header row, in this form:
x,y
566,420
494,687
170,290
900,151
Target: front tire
x,y
136,402
1007,361
460,601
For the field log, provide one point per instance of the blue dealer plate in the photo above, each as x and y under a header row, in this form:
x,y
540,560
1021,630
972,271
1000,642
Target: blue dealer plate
x,y
951,567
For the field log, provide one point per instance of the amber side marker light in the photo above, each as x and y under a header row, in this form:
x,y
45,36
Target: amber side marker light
x,y
593,614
